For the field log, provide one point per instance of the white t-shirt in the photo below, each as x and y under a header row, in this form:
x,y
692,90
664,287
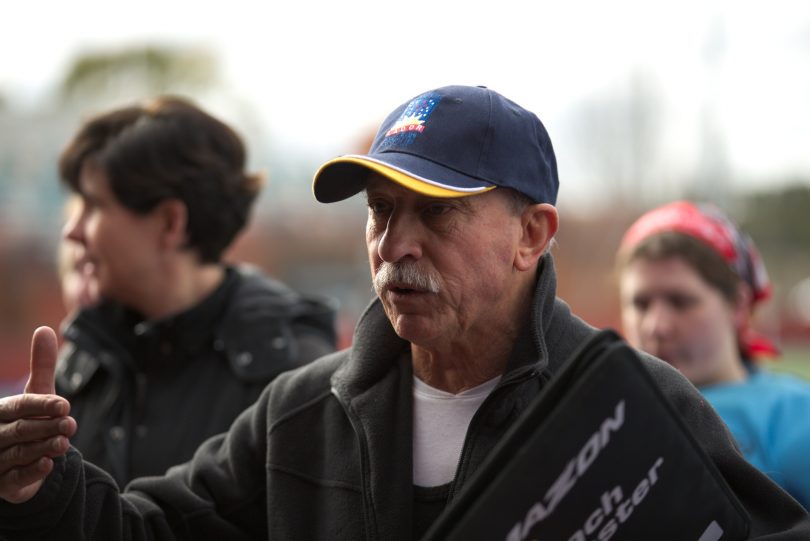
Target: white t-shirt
x,y
440,422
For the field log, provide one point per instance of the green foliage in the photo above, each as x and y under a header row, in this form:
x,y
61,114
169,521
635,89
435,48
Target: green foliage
x,y
779,221
795,360
151,69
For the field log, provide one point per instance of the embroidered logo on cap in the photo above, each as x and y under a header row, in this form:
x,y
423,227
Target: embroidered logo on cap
x,y
412,121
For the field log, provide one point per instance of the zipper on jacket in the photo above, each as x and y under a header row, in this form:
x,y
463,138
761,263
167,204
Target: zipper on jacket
x,y
515,379
138,414
368,506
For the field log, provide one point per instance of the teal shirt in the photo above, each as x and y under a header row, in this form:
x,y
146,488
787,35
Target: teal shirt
x,y
769,416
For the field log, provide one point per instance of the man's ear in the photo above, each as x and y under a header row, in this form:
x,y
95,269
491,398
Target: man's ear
x,y
538,226
173,216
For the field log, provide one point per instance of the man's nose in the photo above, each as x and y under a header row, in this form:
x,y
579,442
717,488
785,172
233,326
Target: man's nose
x,y
401,238
659,320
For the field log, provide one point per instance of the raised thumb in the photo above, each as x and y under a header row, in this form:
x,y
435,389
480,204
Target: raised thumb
x,y
43,362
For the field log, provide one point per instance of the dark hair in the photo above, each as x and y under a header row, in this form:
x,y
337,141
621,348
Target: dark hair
x,y
168,148
705,260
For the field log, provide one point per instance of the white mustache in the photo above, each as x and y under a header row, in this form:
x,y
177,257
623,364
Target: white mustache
x,y
404,273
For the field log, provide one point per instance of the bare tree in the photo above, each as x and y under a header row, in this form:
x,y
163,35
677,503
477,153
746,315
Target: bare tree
x,y
618,135
137,72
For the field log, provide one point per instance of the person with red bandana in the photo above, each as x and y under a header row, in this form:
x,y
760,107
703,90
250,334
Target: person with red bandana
x,y
689,282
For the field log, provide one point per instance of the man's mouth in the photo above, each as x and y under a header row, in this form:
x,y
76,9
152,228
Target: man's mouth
x,y
403,289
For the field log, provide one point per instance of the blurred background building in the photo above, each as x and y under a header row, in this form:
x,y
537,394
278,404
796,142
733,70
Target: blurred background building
x,y
644,102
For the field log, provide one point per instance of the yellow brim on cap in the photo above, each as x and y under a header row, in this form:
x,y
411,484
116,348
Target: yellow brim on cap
x,y
417,184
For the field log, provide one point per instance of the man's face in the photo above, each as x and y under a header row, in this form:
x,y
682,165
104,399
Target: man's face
x,y
120,248
668,310
442,267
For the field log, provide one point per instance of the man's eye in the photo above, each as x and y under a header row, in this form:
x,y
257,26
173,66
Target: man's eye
x,y
377,207
436,209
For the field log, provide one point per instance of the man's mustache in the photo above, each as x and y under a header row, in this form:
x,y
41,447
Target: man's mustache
x,y
404,274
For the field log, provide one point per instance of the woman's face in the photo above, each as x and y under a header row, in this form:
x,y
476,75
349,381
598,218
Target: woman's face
x,y
670,311
121,250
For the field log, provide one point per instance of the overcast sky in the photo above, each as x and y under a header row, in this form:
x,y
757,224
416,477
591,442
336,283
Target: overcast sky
x,y
322,73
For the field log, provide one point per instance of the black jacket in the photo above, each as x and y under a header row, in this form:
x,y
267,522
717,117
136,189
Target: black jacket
x,y
146,395
325,454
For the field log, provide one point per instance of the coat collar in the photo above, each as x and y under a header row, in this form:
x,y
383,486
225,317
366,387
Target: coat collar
x,y
375,342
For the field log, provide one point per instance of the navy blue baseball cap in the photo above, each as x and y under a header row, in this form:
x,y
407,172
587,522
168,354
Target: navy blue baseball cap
x,y
451,142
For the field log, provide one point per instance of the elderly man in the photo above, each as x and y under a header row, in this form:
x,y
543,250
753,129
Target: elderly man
x,y
375,441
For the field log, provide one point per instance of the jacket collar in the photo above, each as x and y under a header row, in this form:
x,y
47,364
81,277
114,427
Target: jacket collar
x,y
113,323
376,344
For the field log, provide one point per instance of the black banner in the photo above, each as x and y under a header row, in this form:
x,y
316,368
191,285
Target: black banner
x,y
600,455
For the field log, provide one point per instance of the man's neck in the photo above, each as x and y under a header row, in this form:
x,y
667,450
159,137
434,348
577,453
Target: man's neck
x,y
468,362
459,372
732,370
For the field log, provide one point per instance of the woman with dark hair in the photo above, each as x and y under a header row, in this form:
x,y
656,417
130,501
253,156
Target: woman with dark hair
x,y
689,281
177,342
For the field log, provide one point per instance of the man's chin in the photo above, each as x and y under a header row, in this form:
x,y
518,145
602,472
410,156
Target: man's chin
x,y
417,329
